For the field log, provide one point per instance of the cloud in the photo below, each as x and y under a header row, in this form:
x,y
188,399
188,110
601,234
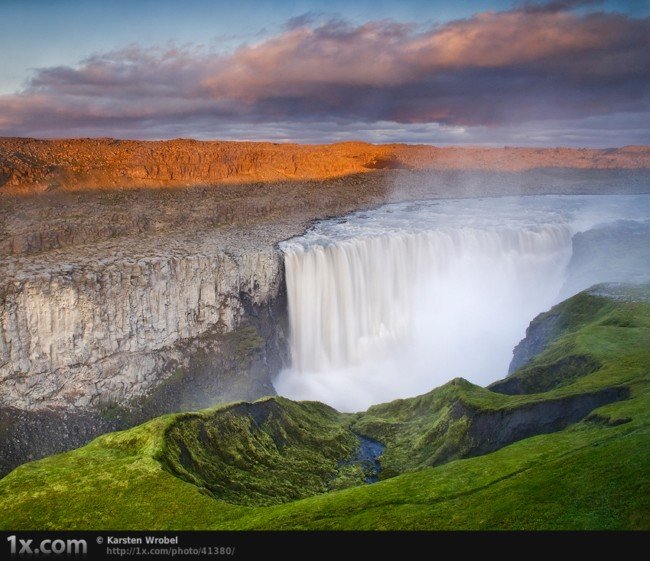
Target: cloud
x,y
493,71
555,5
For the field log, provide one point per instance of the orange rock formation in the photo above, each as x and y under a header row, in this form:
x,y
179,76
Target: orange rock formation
x,y
29,165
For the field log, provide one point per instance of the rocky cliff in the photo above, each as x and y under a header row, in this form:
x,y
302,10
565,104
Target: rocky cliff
x,y
109,334
77,330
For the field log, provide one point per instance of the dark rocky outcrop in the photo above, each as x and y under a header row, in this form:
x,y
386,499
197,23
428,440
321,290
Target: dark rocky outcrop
x,y
525,374
31,435
491,430
545,377
538,335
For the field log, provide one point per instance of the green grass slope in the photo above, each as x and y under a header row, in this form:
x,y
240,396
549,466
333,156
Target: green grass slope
x,y
268,452
277,464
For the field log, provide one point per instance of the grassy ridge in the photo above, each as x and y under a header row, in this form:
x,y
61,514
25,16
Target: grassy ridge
x,y
169,472
269,452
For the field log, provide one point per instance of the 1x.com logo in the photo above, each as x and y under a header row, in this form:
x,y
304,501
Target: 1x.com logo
x,y
19,546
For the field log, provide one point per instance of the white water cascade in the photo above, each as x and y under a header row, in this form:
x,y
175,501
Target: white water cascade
x,y
393,302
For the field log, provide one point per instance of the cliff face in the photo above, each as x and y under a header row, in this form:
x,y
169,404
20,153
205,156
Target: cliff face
x,y
104,335
30,164
107,328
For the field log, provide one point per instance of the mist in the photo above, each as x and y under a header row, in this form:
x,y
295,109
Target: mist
x,y
392,302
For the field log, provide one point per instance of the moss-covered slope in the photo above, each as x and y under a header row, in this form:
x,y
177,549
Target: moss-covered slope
x,y
270,451
273,464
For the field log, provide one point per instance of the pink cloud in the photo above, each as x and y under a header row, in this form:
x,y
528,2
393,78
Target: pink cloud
x,y
496,68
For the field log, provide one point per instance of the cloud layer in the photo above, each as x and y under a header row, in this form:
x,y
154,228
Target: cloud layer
x,y
500,71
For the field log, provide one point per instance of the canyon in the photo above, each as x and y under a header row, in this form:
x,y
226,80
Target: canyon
x,y
138,278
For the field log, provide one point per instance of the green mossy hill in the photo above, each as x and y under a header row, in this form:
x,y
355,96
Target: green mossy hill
x,y
272,451
460,457
460,420
575,333
566,317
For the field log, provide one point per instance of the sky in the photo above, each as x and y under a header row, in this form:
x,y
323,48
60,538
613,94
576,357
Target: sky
x,y
481,72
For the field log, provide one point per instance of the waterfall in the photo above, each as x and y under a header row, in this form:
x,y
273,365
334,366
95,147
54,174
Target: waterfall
x,y
350,300
393,302
434,296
